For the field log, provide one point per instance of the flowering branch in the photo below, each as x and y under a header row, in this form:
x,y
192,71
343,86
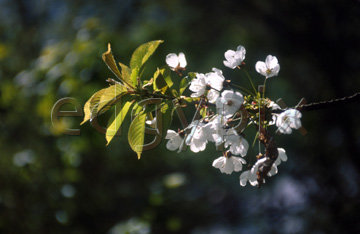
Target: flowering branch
x,y
222,112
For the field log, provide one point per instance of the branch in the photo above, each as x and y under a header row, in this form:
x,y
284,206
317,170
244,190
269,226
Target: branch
x,y
331,103
325,104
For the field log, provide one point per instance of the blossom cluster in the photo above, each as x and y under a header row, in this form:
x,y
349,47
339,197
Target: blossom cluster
x,y
213,89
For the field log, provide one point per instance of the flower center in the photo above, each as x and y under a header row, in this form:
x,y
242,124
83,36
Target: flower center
x,y
286,119
268,71
227,154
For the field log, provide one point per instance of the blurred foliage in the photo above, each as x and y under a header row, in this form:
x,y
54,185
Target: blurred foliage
x,y
55,183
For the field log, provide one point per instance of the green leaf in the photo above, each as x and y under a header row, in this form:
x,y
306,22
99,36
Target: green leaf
x,y
140,56
166,72
203,112
167,111
183,84
136,109
150,108
108,97
89,105
160,83
143,52
146,106
136,133
186,81
121,109
126,73
188,99
134,76
102,100
175,93
110,62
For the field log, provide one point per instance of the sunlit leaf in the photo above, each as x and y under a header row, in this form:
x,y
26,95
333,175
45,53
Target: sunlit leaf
x,y
137,108
109,96
137,133
126,73
175,93
140,56
167,111
203,112
135,75
89,105
160,84
166,72
146,106
183,84
102,100
121,109
188,99
110,62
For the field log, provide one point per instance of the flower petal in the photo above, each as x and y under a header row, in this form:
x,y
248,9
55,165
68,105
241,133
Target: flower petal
x,y
229,54
241,51
197,145
172,145
228,167
282,154
271,61
273,170
244,178
238,162
172,60
170,134
212,95
219,162
182,60
215,79
261,68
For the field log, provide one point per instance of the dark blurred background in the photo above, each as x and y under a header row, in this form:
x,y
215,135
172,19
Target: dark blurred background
x,y
55,183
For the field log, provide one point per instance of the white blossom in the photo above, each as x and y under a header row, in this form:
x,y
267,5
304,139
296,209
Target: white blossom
x,y
273,106
175,140
228,164
268,69
215,130
215,79
238,144
198,137
250,175
287,120
281,157
229,102
198,85
212,95
174,61
234,58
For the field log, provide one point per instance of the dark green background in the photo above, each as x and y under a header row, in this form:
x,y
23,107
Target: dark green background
x,y
75,184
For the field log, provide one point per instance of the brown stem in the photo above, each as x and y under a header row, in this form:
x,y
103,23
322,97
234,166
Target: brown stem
x,y
271,154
